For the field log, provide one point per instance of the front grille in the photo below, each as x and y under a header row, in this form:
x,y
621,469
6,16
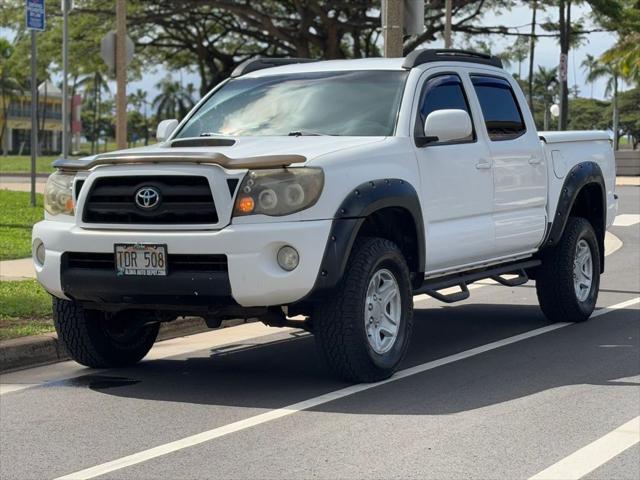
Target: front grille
x,y
177,262
183,200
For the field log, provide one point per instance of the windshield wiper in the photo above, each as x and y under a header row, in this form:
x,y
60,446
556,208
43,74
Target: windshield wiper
x,y
306,133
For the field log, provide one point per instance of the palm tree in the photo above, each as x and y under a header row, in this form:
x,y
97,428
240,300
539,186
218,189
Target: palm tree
x,y
611,71
545,81
173,101
590,64
10,88
94,86
139,100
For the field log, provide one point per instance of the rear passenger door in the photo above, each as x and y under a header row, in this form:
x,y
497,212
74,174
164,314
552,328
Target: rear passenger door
x,y
519,170
456,180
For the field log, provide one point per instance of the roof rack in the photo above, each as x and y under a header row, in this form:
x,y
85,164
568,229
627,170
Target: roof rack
x,y
419,57
259,63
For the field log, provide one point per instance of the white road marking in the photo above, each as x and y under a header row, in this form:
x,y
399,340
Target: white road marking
x,y
269,416
626,220
594,455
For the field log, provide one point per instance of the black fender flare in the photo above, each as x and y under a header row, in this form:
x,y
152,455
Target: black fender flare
x,y
581,175
364,200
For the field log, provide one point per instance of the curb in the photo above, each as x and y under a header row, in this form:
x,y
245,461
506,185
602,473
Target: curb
x,y
36,350
24,175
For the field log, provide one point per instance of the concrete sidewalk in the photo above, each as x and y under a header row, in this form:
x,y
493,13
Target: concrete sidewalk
x,y
21,269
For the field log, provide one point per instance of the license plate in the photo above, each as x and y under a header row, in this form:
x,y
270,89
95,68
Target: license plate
x,y
141,259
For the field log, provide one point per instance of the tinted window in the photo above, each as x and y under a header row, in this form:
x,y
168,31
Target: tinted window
x,y
499,106
360,103
441,93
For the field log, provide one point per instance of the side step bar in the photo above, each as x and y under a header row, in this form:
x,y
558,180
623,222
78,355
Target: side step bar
x,y
431,286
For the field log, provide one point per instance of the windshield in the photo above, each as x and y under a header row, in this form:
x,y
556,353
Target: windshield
x,y
360,103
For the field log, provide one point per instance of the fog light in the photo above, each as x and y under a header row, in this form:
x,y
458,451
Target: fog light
x,y
39,252
288,258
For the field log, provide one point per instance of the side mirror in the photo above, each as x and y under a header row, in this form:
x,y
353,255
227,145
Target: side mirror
x,y
165,129
447,126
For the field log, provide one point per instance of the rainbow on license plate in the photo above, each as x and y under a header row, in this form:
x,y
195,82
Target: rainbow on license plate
x,y
141,259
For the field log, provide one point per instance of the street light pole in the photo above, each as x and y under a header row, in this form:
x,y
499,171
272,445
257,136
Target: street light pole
x,y
121,74
65,76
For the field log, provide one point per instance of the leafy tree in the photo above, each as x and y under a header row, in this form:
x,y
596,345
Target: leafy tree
x,y
630,114
587,114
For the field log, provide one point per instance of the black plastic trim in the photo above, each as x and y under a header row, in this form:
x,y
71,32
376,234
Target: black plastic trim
x,y
363,201
261,63
579,176
427,55
177,288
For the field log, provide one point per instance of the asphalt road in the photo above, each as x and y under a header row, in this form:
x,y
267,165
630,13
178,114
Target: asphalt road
x,y
489,389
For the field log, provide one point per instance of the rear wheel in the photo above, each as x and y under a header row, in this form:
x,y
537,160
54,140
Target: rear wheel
x,y
568,281
363,330
99,340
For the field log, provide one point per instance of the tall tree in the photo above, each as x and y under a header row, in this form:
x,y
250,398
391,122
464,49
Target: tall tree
x,y
10,88
590,64
173,101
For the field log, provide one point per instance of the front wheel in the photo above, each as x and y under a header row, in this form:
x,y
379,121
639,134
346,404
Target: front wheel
x,y
98,340
363,330
568,281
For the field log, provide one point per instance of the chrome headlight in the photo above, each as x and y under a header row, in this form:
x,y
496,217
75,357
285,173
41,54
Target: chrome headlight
x,y
58,194
278,192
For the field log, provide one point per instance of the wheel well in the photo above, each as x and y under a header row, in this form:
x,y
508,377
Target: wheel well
x,y
395,224
589,204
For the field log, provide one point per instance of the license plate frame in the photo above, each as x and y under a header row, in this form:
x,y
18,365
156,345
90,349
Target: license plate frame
x,y
137,264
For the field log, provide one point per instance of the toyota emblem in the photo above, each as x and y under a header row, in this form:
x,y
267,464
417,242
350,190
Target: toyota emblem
x,y
147,198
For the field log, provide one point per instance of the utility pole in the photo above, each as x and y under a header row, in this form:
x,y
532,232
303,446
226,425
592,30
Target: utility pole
x,y
532,49
65,76
392,27
121,74
565,42
447,24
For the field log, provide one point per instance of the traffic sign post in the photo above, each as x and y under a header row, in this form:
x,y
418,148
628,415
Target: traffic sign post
x,y
35,20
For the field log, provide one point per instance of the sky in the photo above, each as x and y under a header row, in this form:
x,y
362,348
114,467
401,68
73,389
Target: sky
x,y
547,51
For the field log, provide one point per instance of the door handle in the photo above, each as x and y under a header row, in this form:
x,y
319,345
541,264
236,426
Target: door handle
x,y
534,160
483,164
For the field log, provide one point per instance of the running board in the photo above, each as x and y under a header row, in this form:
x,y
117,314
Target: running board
x,y
431,286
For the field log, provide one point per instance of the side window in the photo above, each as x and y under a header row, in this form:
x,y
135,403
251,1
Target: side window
x,y
500,108
440,93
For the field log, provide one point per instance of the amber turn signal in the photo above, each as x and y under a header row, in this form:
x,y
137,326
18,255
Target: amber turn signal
x,y
245,205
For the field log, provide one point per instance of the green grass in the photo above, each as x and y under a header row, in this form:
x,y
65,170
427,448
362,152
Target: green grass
x,y
17,217
25,309
22,164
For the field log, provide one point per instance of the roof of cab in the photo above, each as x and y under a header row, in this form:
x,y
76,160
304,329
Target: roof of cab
x,y
263,66
328,66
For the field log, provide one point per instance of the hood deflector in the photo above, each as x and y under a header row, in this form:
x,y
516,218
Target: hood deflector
x,y
262,161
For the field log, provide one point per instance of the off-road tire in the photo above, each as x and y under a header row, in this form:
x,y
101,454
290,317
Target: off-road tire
x,y
554,279
338,320
86,337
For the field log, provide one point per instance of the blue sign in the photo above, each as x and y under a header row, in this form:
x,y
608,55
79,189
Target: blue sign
x,y
35,15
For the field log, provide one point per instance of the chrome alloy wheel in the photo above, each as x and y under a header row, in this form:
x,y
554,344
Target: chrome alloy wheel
x,y
383,311
582,270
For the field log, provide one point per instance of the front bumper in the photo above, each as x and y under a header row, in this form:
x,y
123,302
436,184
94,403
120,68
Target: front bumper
x,y
254,277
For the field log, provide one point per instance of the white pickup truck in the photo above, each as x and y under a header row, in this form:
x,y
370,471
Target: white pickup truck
x,y
334,190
